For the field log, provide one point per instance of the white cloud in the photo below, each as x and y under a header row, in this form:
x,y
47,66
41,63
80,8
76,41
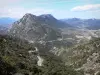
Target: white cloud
x,y
86,7
5,3
18,12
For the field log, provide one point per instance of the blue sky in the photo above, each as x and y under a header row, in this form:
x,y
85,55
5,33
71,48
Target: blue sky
x,y
58,8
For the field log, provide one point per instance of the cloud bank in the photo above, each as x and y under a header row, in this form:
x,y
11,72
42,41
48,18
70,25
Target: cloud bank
x,y
18,12
86,7
5,3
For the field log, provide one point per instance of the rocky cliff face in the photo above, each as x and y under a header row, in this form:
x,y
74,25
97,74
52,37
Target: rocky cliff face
x,y
34,28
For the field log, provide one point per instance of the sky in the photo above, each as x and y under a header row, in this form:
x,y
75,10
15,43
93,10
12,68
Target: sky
x,y
60,9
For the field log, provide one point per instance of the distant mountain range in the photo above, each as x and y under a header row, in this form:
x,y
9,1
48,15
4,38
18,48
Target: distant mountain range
x,y
6,21
83,23
3,30
5,24
62,23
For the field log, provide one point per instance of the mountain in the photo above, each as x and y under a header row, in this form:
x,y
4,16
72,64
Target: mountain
x,y
20,56
40,45
93,23
50,20
83,23
6,21
35,28
75,22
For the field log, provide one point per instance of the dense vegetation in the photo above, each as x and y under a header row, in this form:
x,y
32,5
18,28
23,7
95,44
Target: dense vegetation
x,y
15,59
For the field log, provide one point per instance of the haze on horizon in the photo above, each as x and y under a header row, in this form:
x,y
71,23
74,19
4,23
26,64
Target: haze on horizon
x,y
58,8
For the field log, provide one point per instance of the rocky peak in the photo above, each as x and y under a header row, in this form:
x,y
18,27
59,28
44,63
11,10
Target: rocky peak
x,y
29,17
47,16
